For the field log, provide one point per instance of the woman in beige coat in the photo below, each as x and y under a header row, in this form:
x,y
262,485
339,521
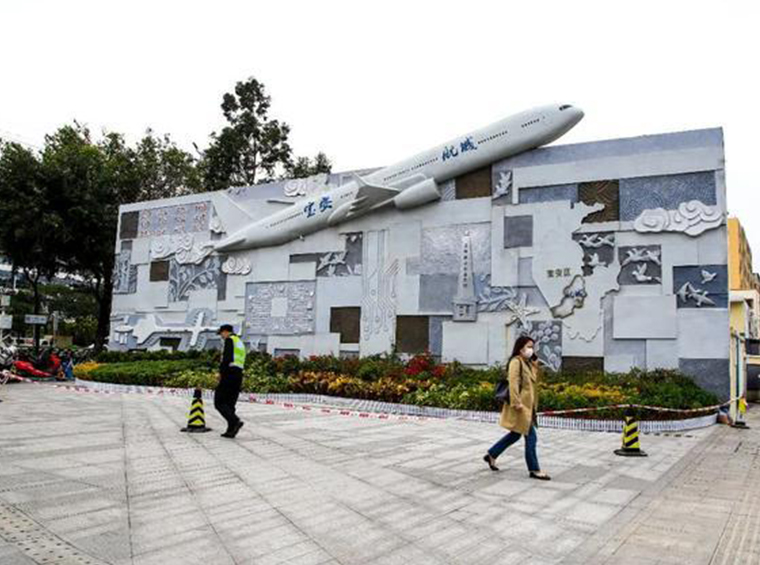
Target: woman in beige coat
x,y
519,414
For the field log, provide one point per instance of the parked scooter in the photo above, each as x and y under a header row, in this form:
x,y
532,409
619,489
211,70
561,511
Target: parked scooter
x,y
7,356
46,366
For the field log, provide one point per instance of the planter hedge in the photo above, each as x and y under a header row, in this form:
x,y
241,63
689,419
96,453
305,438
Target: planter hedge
x,y
419,380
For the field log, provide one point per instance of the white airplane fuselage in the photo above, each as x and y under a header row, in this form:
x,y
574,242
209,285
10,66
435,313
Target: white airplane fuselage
x,y
411,182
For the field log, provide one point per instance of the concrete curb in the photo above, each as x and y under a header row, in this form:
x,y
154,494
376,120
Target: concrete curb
x,y
371,408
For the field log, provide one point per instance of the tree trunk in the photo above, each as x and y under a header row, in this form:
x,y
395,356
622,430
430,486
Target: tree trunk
x,y
103,298
36,289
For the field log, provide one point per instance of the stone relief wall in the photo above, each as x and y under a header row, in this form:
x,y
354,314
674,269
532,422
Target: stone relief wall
x,y
610,254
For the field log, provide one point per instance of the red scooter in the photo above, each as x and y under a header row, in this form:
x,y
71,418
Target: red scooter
x,y
46,368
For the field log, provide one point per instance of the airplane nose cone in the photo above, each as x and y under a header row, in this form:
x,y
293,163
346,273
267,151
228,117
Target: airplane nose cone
x,y
577,115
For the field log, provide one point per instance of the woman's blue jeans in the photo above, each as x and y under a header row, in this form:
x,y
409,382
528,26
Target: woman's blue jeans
x,y
530,447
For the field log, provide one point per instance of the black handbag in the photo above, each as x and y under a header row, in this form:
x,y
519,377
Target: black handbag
x,y
502,391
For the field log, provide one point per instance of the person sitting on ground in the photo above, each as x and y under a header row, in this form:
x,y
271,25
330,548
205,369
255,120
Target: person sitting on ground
x,y
724,416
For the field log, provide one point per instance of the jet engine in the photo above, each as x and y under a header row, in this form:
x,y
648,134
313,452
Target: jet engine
x,y
417,195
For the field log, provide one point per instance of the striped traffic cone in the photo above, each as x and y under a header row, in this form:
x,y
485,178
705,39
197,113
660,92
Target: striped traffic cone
x,y
196,419
631,446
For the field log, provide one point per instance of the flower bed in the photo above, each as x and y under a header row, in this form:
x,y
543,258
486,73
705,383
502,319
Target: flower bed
x,y
419,381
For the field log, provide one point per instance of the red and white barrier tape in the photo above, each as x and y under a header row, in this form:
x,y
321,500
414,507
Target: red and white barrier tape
x,y
252,398
638,406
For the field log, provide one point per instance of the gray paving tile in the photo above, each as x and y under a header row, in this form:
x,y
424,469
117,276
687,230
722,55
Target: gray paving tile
x,y
112,477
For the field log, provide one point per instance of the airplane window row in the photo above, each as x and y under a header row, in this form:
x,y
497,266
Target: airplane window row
x,y
494,136
530,123
425,163
417,166
286,219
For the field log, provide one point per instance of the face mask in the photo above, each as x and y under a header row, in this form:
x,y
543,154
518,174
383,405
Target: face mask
x,y
528,352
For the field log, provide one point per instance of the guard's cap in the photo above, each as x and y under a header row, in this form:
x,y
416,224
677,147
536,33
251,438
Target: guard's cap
x,y
226,328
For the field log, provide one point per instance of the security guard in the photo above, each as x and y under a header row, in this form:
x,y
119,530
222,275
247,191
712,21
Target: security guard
x,y
230,379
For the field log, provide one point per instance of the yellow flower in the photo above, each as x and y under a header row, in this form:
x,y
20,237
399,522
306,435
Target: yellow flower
x,y
83,370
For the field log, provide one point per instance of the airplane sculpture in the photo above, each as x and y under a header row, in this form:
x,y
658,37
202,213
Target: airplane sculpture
x,y
410,183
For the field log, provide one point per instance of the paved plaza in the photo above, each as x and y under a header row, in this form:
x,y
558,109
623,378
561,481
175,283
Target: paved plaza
x,y
92,479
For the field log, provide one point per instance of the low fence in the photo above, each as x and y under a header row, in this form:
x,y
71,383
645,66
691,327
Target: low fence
x,y
384,410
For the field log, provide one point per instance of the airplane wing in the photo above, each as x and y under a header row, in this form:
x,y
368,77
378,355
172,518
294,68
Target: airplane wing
x,y
370,195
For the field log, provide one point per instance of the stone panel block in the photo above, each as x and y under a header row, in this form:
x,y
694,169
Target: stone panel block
x,y
712,247
548,341
436,333
711,374
184,279
525,272
295,300
621,363
664,191
640,265
701,287
662,354
532,194
466,343
582,364
342,263
437,293
302,270
518,231
601,192
703,334
598,249
335,292
124,274
441,248
645,317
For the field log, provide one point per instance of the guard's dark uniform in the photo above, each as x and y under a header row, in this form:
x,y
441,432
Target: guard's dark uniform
x,y
230,382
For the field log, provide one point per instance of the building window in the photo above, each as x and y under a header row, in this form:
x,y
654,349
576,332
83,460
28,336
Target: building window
x,y
412,334
128,225
347,322
476,184
159,271
170,342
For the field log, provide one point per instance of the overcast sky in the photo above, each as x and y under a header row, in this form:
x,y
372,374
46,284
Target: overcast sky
x,y
372,83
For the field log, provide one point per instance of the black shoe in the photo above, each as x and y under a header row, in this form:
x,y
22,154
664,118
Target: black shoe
x,y
228,434
491,462
538,475
236,429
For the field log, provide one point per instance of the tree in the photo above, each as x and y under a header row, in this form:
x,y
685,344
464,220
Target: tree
x,y
88,181
30,223
253,147
304,167
165,170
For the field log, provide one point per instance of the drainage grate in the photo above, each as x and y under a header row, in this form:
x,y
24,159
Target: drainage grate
x,y
37,543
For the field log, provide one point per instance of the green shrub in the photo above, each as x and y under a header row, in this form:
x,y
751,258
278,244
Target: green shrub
x,y
160,355
460,396
193,378
420,380
149,373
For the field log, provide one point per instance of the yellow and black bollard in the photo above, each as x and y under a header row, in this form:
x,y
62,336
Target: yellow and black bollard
x,y
740,423
631,446
196,419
